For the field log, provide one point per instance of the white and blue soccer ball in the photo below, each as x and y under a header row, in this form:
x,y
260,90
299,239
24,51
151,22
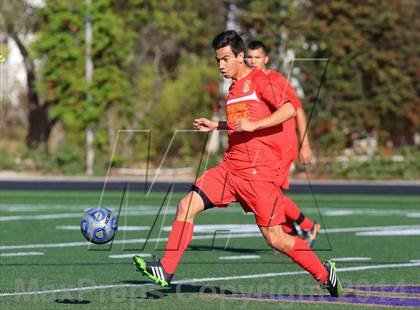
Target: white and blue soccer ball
x,y
98,225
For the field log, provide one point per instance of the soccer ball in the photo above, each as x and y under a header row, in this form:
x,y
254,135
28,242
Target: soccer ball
x,y
98,225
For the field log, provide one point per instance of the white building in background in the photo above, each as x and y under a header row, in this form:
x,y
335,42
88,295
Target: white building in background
x,y
12,75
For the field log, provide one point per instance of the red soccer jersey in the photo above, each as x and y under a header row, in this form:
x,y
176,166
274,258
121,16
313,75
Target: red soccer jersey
x,y
287,142
254,155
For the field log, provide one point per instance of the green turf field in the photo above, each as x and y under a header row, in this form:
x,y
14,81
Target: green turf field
x,y
375,239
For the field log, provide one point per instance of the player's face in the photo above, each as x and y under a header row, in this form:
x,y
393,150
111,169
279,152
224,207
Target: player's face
x,y
256,58
229,64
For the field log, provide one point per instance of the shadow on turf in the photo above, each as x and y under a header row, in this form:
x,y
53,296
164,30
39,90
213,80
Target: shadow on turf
x,y
72,301
181,289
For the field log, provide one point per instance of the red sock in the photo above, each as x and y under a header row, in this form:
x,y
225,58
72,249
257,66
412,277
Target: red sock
x,y
307,259
292,212
179,238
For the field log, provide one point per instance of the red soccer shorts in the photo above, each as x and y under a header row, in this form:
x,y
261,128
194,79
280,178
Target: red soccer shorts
x,y
219,187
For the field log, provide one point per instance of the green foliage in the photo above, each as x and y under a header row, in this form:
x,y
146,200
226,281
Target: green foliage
x,y
369,87
6,161
61,46
371,84
380,167
117,161
181,100
66,160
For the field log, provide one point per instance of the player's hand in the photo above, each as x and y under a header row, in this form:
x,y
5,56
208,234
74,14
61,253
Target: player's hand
x,y
305,154
245,125
204,124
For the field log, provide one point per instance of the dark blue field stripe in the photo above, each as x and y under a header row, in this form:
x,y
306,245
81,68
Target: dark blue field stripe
x,y
319,187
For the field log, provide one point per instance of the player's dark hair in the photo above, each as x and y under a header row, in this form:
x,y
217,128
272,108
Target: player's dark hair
x,y
231,38
254,45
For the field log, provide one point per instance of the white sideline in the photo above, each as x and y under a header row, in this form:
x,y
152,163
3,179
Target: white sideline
x,y
197,280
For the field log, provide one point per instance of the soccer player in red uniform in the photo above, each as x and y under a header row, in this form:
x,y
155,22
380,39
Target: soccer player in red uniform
x,y
257,57
249,172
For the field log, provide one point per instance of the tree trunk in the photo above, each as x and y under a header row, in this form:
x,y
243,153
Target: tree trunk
x,y
39,127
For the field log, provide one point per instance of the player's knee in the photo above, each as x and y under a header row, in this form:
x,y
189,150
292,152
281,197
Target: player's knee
x,y
277,245
186,209
275,240
183,206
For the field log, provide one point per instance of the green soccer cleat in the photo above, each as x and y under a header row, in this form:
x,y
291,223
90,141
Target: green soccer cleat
x,y
333,285
153,270
312,234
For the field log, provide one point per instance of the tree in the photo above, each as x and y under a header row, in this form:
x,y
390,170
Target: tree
x,y
171,66
371,86
61,48
372,81
18,20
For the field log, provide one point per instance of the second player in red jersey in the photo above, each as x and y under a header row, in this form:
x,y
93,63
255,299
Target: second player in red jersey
x,y
296,221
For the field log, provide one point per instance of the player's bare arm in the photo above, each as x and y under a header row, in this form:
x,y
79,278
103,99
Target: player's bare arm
x,y
204,124
305,153
281,115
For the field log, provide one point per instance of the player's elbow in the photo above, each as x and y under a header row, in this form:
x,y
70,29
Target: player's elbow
x,y
291,111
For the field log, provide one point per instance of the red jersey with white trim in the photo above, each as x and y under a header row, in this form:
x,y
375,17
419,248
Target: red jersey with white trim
x,y
287,141
253,155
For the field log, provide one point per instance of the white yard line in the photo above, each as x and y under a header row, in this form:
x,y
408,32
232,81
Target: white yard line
x,y
124,212
388,233
130,255
373,228
252,228
120,228
210,279
369,212
127,241
38,217
239,257
221,235
38,207
21,254
151,210
351,259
